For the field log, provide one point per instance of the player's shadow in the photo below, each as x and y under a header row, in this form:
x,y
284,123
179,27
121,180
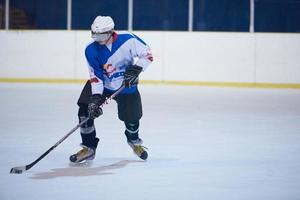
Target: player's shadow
x,y
82,170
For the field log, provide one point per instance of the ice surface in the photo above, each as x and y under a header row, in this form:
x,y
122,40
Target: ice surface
x,y
204,143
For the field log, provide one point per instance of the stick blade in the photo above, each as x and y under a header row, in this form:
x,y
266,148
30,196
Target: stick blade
x,y
18,170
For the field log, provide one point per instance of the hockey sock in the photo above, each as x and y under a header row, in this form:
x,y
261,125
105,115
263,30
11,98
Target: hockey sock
x,y
87,130
132,130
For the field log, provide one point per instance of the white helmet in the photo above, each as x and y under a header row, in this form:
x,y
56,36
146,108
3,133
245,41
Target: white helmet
x,y
102,28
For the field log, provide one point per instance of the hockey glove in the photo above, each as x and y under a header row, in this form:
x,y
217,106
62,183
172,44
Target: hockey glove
x,y
131,75
94,107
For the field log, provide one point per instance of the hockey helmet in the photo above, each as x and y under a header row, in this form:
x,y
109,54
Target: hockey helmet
x,y
102,28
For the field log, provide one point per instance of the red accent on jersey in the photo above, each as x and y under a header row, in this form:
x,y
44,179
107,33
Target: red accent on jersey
x,y
149,57
115,36
94,80
109,69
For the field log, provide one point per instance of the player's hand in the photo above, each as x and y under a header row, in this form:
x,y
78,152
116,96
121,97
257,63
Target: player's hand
x,y
94,107
131,75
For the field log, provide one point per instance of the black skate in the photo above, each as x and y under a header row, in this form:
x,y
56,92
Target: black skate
x,y
138,149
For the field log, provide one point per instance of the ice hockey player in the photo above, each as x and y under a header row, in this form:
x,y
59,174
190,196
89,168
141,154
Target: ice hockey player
x,y
114,58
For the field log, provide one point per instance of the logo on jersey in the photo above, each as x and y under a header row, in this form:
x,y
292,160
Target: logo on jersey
x,y
109,69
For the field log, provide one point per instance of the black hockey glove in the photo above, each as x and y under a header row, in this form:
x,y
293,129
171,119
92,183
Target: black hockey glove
x,y
131,75
94,107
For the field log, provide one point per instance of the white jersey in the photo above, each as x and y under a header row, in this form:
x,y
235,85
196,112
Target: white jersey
x,y
107,63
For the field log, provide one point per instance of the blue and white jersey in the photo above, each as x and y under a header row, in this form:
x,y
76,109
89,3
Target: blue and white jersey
x,y
107,63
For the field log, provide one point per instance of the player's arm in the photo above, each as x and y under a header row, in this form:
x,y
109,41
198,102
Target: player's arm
x,y
143,55
96,79
96,82
97,99
142,52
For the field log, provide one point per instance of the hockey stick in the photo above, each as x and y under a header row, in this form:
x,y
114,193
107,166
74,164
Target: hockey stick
x,y
21,169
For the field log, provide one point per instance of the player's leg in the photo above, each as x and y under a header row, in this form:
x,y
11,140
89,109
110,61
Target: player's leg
x,y
87,130
130,112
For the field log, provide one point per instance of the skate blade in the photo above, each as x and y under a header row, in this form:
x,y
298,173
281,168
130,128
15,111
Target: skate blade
x,y
85,163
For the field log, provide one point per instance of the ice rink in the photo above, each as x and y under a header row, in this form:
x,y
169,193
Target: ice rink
x,y
203,143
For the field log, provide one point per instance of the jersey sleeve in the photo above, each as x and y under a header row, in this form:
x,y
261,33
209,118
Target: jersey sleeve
x,y
96,79
142,52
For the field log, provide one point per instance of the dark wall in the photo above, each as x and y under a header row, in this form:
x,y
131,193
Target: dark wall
x,y
172,15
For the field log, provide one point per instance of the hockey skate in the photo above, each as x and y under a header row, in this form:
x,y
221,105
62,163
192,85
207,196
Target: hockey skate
x,y
85,154
137,148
